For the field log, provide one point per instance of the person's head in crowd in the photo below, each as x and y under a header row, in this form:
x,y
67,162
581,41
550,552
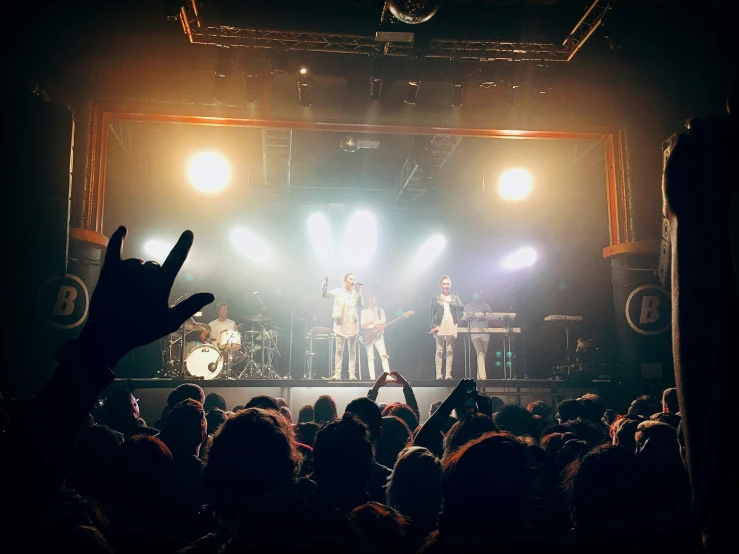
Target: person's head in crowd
x,y
186,428
538,424
282,402
253,454
324,409
214,400
263,402
185,391
305,433
670,419
540,408
385,529
644,406
368,413
624,433
468,485
305,414
395,437
215,418
572,450
670,403
286,413
496,403
466,430
610,416
434,406
588,431
595,407
143,469
656,443
120,405
552,442
342,463
602,488
514,419
414,488
238,408
570,409
89,471
404,412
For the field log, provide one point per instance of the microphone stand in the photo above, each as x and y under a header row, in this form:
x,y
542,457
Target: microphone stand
x,y
290,352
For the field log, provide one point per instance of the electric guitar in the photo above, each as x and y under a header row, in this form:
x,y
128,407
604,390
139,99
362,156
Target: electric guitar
x,y
371,333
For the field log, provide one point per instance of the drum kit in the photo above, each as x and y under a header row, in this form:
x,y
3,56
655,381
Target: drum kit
x,y
237,353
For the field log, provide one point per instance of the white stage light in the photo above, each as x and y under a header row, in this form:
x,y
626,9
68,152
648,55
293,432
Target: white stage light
x,y
515,184
360,240
523,257
157,250
209,172
320,236
429,251
250,245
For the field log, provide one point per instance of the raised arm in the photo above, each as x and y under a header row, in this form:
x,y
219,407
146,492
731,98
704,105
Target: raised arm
x,y
325,293
434,424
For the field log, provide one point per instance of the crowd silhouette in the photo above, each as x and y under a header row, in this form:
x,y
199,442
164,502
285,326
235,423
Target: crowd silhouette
x,y
477,475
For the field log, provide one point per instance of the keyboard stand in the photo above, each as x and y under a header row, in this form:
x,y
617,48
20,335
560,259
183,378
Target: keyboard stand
x,y
310,352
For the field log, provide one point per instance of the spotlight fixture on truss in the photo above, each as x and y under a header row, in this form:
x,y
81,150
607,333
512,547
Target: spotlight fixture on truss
x,y
304,86
376,77
457,93
351,144
411,92
220,73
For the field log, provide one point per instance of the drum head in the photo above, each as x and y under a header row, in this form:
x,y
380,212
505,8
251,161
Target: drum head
x,y
230,340
204,361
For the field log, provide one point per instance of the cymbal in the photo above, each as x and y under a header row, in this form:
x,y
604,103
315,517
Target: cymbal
x,y
259,317
251,332
195,326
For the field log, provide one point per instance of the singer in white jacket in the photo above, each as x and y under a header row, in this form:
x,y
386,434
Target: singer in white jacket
x,y
347,300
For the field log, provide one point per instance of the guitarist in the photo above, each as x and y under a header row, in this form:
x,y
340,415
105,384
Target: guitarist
x,y
374,317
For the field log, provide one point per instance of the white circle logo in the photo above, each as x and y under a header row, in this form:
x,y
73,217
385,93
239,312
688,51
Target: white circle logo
x,y
63,301
649,310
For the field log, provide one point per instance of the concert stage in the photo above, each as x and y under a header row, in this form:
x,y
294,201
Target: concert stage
x,y
152,393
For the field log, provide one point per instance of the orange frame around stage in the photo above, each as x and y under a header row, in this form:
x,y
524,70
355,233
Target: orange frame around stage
x,y
612,139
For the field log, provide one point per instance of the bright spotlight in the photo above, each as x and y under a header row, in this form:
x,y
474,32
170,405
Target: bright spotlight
x,y
360,239
515,184
303,70
320,235
429,251
250,245
158,250
209,172
523,257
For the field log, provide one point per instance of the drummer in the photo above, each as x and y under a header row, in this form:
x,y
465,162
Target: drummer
x,y
215,327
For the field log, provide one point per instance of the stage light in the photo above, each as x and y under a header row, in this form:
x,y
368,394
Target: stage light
x,y
376,78
411,93
457,94
250,245
515,184
523,257
209,172
320,236
157,250
360,239
429,251
304,85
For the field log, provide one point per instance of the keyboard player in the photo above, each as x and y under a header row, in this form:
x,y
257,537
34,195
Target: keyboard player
x,y
476,323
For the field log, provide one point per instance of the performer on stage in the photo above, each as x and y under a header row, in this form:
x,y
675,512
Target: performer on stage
x,y
444,308
346,321
372,315
480,340
213,332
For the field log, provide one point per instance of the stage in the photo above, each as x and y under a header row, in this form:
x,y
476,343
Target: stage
x,y
152,393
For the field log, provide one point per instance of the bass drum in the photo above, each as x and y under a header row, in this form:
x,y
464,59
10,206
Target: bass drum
x,y
204,361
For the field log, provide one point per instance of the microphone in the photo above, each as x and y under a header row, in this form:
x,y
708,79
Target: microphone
x,y
358,284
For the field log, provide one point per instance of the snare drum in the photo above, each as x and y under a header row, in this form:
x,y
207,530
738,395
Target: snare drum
x,y
204,361
229,340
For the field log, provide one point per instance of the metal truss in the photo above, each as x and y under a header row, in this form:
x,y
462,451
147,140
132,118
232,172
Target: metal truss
x,y
199,32
412,174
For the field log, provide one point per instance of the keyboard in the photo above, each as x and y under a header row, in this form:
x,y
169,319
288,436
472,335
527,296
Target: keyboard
x,y
500,316
320,333
563,318
491,330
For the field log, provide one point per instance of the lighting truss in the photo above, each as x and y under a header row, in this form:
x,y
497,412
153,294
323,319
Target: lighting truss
x,y
199,31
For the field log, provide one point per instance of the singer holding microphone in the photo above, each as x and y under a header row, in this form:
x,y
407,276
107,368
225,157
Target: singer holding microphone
x,y
347,300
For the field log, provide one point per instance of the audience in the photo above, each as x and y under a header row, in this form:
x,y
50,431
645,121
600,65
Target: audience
x,y
305,415
324,410
214,401
394,437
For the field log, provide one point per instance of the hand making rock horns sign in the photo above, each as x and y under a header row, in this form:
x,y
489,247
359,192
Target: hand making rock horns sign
x,y
130,305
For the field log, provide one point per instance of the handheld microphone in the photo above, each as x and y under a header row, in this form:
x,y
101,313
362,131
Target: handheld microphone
x,y
358,284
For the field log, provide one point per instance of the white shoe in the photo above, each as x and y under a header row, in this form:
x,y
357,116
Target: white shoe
x,y
335,377
448,377
352,377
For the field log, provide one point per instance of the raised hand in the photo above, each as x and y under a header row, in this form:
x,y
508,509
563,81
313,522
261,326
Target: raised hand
x,y
399,378
130,305
381,381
